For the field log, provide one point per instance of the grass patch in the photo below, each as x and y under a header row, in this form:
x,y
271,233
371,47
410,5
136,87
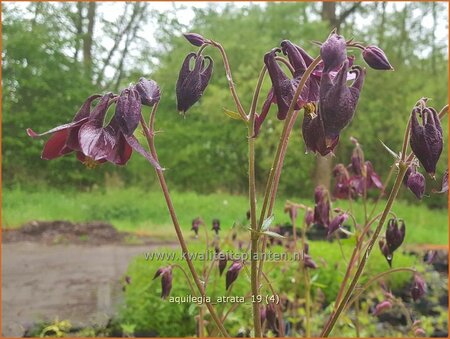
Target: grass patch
x,y
136,210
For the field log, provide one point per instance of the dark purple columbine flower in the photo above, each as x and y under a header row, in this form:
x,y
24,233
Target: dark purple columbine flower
x,y
426,139
271,317
216,225
338,101
308,262
300,61
376,58
192,83
419,287
195,39
415,181
233,273
322,206
333,52
282,86
444,185
149,91
373,179
394,234
309,217
381,307
292,211
222,262
337,223
313,134
386,252
114,142
196,224
262,315
95,143
166,280
342,188
357,161
64,138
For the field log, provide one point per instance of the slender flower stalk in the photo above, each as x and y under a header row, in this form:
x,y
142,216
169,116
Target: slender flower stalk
x,y
149,135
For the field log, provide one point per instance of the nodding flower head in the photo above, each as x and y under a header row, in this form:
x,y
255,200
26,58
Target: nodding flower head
x,y
381,307
394,234
357,161
337,223
322,206
291,210
271,317
283,90
313,133
386,252
415,181
419,287
233,273
166,280
216,225
222,262
333,52
426,140
196,224
338,101
376,58
308,262
342,188
309,217
94,142
192,83
195,39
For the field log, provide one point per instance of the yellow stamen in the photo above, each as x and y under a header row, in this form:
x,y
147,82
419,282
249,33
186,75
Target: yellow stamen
x,y
90,163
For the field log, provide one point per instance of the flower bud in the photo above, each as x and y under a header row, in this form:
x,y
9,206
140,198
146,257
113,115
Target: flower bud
x,y
292,211
308,262
216,225
271,317
149,91
166,280
381,307
337,223
419,287
192,83
128,110
195,39
426,139
420,332
394,234
386,252
357,161
416,183
333,52
233,273
376,58
322,206
196,225
342,187
222,262
309,216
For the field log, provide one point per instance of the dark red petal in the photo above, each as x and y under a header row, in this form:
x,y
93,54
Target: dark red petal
x,y
33,134
134,143
97,142
55,145
121,152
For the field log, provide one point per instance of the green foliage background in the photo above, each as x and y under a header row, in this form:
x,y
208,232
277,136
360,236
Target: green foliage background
x,y
43,85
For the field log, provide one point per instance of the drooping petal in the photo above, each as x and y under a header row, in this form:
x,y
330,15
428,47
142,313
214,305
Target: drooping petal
x,y
97,142
134,143
128,111
55,145
72,124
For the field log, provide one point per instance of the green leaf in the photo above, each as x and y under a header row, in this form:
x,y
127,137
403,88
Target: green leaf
x,y
273,234
232,114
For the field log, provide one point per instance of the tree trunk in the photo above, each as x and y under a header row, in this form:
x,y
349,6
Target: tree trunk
x,y
88,39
